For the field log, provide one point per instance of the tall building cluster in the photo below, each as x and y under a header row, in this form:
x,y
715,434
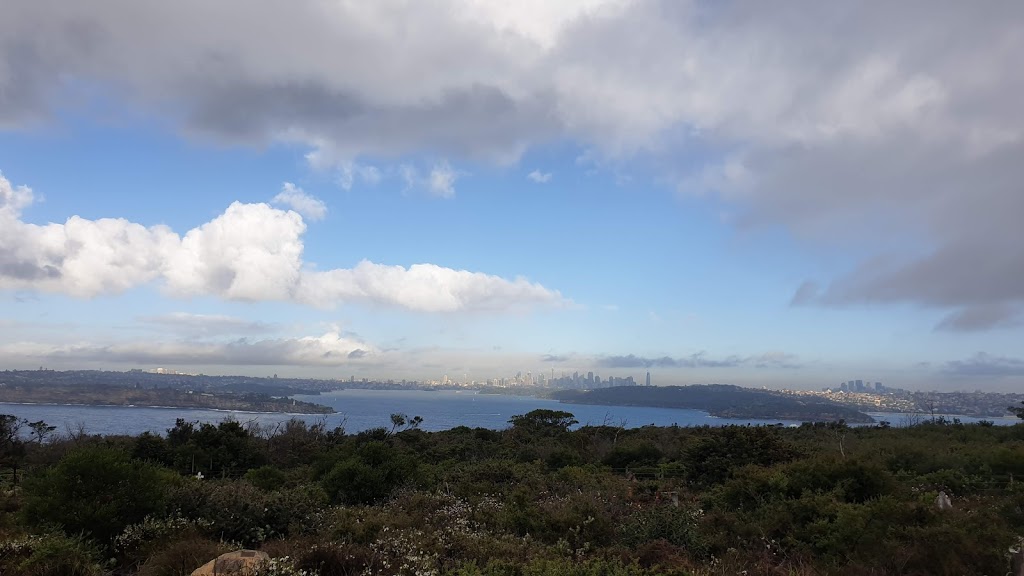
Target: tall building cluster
x,y
861,386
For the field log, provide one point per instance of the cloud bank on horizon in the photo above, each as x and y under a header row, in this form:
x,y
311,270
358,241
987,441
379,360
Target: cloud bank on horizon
x,y
887,132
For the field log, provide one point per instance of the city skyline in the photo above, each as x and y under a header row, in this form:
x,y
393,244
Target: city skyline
x,y
708,192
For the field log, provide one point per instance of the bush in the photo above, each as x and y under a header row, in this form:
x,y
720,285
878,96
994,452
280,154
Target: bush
x,y
180,558
59,555
676,526
370,475
237,511
97,491
266,478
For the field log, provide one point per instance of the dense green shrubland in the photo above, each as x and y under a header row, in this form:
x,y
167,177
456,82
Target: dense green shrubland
x,y
536,499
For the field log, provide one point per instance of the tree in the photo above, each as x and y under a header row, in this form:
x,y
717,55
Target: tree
x,y
544,421
12,447
40,430
1018,411
399,420
97,491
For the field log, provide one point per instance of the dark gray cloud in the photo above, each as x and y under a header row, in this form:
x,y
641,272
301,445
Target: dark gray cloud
x,y
943,227
308,72
555,358
701,360
986,365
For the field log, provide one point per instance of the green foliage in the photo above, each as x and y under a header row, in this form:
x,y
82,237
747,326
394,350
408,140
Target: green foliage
x,y
679,526
719,451
12,447
181,557
153,448
640,453
226,449
543,422
236,511
138,541
553,567
266,478
371,474
97,491
51,555
40,430
539,498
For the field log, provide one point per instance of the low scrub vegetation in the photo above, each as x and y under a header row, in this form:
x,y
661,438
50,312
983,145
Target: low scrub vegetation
x,y
539,498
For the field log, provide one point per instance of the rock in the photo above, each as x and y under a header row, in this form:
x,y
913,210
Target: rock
x,y
237,563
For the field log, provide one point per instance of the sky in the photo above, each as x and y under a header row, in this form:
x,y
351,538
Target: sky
x,y
782,194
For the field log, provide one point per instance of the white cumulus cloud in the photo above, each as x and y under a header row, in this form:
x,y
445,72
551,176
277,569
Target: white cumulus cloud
x,y
423,287
251,252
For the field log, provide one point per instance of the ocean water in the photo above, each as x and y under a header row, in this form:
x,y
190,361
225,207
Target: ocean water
x,y
360,410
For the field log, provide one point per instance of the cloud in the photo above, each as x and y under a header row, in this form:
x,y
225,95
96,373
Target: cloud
x,y
13,199
441,181
424,287
539,177
701,360
204,325
981,317
251,252
986,365
806,294
555,358
293,197
868,129
330,349
351,171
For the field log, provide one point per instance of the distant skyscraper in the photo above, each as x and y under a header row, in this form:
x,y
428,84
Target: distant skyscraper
x,y
648,378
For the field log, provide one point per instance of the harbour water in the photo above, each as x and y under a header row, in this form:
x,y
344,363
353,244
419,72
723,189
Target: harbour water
x,y
360,410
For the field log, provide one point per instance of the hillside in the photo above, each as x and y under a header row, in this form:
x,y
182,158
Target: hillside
x,y
718,400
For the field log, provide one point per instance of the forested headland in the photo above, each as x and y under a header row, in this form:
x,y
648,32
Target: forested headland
x,y
542,497
718,400
105,395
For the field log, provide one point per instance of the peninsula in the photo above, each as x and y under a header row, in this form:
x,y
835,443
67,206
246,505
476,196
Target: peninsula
x,y
111,388
719,400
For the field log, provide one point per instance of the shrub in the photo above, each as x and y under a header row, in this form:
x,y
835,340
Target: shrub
x,y
676,526
181,557
97,491
266,478
59,555
370,475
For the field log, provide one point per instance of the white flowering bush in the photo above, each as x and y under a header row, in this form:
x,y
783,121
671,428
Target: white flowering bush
x,y
283,566
152,528
50,555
